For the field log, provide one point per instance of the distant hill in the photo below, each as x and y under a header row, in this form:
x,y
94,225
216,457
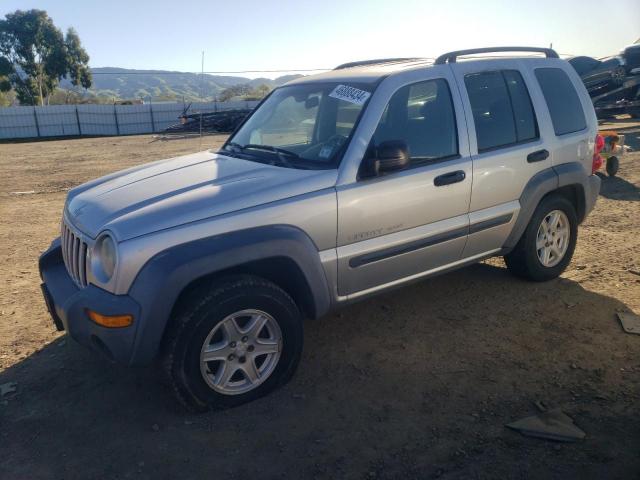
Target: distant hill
x,y
127,84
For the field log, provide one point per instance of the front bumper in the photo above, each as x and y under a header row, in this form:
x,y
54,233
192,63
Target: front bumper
x,y
68,304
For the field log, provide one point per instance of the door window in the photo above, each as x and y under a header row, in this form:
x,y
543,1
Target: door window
x,y
422,115
502,110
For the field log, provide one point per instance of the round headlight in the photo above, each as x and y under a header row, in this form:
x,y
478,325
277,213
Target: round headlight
x,y
104,257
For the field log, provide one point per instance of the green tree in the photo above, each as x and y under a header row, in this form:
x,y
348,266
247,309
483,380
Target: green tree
x,y
5,70
234,91
261,91
77,60
63,96
40,55
7,95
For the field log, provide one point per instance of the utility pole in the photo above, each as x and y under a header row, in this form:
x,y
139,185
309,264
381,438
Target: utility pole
x,y
201,95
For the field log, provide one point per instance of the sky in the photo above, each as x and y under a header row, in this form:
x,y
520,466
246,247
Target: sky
x,y
298,34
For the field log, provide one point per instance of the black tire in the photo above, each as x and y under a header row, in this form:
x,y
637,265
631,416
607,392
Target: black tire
x,y
613,165
523,260
208,306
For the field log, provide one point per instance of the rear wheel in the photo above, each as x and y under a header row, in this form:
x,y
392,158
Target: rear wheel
x,y
547,245
237,341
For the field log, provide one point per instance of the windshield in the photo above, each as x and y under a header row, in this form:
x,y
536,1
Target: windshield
x,y
301,126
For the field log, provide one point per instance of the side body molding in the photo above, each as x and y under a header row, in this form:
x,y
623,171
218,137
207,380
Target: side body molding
x,y
162,279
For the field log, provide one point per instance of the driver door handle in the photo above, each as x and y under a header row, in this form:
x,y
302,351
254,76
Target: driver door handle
x,y
449,178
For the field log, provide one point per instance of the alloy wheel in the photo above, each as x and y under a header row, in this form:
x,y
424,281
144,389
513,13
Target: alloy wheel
x,y
552,239
241,352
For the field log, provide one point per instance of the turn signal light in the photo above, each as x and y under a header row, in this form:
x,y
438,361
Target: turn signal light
x,y
110,321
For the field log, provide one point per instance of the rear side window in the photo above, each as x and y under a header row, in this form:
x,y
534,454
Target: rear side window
x,y
562,100
502,110
525,119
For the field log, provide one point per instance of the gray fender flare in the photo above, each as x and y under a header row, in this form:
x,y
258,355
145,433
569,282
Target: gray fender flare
x,y
162,279
539,185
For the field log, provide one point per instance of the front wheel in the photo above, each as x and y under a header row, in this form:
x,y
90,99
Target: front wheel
x,y
547,245
232,342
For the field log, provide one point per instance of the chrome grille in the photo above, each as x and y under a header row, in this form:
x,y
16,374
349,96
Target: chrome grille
x,y
74,253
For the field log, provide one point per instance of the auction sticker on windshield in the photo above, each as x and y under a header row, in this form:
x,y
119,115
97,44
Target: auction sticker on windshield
x,y
350,94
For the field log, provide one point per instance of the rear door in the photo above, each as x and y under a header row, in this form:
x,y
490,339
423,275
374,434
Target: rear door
x,y
506,143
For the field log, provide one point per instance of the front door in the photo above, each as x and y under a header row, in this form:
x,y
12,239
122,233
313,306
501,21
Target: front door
x,y
397,226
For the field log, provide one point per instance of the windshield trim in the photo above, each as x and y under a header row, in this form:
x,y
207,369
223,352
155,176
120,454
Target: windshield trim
x,y
337,160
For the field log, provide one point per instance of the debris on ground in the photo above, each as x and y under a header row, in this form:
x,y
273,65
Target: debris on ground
x,y
7,388
212,122
540,405
551,425
630,322
26,192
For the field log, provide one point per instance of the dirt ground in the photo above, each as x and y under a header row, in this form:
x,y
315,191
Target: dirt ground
x,y
417,383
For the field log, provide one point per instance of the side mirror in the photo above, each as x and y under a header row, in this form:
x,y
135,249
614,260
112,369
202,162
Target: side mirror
x,y
392,155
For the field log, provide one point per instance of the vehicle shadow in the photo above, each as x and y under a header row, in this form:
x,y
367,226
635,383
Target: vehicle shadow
x,y
617,188
413,383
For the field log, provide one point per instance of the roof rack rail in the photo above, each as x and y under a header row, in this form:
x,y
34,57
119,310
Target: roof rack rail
x,y
377,61
452,56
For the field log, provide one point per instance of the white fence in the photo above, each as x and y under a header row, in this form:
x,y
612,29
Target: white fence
x,y
65,120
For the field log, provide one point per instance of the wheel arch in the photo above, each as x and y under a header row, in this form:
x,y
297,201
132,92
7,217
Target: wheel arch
x,y
575,194
566,180
280,253
281,270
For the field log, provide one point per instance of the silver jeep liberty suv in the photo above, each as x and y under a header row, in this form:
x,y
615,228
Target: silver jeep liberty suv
x,y
338,186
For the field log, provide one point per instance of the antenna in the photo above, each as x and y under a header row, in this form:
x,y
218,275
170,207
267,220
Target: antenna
x,y
201,97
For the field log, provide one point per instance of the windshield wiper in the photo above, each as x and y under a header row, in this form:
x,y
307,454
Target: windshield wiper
x,y
234,144
280,152
270,148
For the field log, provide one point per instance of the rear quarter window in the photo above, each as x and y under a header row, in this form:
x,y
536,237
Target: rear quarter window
x,y
562,100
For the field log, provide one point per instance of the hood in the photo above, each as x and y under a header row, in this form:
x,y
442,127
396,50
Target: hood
x,y
185,189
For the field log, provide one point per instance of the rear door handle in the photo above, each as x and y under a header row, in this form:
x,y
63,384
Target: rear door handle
x,y
538,156
449,178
